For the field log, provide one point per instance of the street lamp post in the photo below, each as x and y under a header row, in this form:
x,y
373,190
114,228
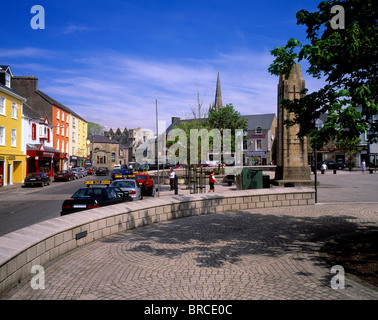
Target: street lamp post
x,y
318,125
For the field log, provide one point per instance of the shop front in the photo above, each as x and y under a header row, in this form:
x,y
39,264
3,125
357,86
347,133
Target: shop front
x,y
12,169
48,160
256,158
76,161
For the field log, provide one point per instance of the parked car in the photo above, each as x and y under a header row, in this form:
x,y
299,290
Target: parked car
x,y
83,170
131,186
93,197
91,170
117,166
64,175
102,171
146,182
143,167
37,178
120,174
78,173
331,165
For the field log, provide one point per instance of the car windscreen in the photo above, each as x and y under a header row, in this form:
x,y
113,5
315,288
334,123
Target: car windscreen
x,y
140,177
124,184
88,193
33,175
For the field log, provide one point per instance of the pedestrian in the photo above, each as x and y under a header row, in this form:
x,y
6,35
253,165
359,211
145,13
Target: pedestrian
x,y
323,168
363,166
172,179
212,180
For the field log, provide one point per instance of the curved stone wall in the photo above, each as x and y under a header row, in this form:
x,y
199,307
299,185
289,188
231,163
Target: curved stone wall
x,y
40,243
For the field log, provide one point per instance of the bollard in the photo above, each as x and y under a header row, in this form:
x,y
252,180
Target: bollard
x,y
176,184
334,171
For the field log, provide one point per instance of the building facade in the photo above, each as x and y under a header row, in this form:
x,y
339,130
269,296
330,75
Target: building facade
x,y
71,142
12,157
105,152
258,143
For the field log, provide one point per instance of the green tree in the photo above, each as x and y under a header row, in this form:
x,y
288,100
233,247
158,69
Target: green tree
x,y
227,118
347,60
94,128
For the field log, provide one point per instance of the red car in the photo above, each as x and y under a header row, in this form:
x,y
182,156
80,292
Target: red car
x,y
91,170
64,175
146,182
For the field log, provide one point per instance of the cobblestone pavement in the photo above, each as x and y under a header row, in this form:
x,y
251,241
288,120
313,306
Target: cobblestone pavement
x,y
255,254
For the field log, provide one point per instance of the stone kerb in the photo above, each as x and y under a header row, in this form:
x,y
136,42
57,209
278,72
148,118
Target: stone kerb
x,y
40,243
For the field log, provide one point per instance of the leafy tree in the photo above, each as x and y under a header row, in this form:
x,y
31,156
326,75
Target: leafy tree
x,y
95,128
347,60
227,118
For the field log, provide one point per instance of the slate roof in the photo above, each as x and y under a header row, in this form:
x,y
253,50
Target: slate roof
x,y
58,104
101,139
262,120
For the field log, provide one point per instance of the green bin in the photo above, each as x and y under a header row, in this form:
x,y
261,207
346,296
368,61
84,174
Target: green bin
x,y
252,179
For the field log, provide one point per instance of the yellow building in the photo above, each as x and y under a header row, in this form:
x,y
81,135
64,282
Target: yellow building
x,y
12,157
78,135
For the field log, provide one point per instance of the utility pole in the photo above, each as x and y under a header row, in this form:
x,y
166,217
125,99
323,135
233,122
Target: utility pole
x,y
157,149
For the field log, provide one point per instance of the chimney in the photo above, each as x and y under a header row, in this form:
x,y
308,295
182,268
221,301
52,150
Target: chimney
x,y
175,119
24,85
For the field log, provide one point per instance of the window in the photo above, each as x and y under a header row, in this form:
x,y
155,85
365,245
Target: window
x,y
2,106
14,110
62,131
14,138
34,131
57,144
67,132
48,135
73,122
57,113
113,156
57,129
258,144
7,80
67,117
2,136
62,117
258,130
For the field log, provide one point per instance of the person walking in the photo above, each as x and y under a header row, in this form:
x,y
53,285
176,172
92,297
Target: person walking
x,y
172,179
212,180
363,167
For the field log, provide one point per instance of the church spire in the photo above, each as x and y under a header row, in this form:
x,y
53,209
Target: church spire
x,y
218,97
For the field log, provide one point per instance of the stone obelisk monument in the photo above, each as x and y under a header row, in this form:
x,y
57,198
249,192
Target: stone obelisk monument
x,y
292,164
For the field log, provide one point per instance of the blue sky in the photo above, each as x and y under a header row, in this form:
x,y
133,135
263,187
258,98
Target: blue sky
x,y
110,60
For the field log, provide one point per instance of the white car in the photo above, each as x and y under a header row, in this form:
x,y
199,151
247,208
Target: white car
x,y
117,166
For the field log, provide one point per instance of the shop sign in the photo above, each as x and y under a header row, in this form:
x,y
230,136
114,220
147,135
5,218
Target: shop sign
x,y
257,136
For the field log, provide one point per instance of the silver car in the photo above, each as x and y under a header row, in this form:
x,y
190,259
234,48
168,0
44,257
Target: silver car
x,y
78,173
131,186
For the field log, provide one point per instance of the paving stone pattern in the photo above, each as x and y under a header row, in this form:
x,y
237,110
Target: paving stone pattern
x,y
265,254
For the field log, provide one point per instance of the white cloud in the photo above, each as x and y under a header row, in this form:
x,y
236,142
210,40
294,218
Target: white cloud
x,y
117,90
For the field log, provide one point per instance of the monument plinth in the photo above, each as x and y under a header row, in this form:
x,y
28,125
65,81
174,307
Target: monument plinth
x,y
292,164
